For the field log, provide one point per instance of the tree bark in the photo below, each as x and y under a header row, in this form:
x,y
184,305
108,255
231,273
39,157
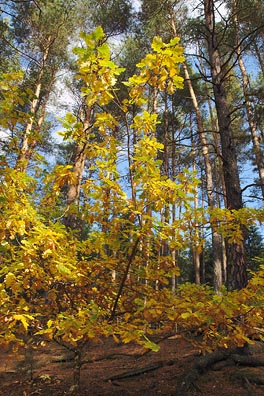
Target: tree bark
x,y
209,183
237,271
25,151
73,193
33,140
249,109
208,172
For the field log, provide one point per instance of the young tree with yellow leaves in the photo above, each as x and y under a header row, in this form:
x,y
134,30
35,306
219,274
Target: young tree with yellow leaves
x,y
58,284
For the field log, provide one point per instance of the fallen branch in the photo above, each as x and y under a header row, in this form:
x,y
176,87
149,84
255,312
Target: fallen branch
x,y
137,371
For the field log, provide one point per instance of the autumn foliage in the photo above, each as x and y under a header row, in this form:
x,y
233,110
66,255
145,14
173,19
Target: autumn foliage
x,y
110,271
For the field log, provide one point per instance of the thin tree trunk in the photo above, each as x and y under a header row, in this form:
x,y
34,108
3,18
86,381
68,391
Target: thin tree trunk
x,y
209,183
196,232
165,218
174,252
196,250
208,171
218,173
224,260
33,141
24,154
237,273
77,371
73,193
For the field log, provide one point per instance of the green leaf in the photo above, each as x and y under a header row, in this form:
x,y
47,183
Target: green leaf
x,y
151,345
62,268
98,33
104,50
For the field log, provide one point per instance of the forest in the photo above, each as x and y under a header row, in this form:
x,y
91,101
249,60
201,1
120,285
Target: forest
x,y
131,174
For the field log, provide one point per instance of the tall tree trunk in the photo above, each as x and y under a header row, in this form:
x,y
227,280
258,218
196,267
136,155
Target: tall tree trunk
x,y
208,171
24,154
73,193
165,212
237,271
33,140
217,255
218,173
249,109
195,247
174,252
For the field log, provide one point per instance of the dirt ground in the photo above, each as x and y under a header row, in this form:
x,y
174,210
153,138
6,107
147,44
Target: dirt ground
x,y
124,370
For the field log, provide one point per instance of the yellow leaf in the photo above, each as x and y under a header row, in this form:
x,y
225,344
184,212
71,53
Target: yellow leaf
x,y
10,279
116,339
47,253
23,319
186,315
49,323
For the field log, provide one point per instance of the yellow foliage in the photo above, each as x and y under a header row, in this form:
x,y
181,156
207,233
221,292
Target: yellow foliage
x,y
113,277
158,69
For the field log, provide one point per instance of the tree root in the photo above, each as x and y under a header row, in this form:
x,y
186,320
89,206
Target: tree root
x,y
248,377
234,356
253,361
142,370
188,382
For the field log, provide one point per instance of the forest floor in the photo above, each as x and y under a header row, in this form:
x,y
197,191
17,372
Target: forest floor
x,y
128,370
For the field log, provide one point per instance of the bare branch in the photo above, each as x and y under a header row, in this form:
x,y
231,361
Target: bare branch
x,y
21,52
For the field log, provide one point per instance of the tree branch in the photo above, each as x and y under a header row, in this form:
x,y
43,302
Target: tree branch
x,y
21,52
251,185
122,284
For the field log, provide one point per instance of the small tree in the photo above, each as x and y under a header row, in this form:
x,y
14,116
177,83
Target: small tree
x,y
59,285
